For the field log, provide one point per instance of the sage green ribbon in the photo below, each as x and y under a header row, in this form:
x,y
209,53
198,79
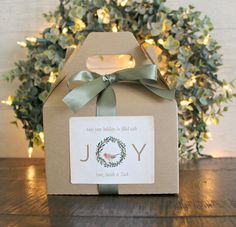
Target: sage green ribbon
x,y
97,85
101,86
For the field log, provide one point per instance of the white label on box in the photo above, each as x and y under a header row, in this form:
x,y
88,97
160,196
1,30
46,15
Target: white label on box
x,y
112,150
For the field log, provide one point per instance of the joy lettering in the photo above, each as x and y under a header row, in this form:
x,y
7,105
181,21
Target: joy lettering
x,y
138,151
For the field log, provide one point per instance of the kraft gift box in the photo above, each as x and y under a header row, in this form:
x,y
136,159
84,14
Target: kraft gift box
x,y
132,100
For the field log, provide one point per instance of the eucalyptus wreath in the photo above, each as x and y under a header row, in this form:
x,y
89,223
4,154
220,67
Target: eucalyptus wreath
x,y
109,163
188,58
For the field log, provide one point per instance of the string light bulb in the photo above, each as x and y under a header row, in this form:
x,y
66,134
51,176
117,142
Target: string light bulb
x,y
122,2
150,41
41,135
206,39
208,121
208,134
114,28
31,39
161,41
226,87
193,79
73,46
185,102
64,30
22,44
52,78
187,122
8,101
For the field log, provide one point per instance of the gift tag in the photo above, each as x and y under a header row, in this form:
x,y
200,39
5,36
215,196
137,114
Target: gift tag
x,y
112,150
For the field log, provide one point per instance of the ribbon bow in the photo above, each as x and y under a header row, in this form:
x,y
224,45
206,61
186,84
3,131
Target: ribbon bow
x,y
101,86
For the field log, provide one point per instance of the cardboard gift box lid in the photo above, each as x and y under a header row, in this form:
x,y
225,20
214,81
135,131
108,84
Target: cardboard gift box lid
x,y
132,100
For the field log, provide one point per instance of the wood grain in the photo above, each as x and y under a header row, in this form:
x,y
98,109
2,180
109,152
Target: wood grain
x,y
207,198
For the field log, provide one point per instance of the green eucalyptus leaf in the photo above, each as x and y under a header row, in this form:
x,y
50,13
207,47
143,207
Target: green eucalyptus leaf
x,y
171,45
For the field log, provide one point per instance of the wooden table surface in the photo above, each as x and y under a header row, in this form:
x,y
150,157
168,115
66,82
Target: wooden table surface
x,y
207,198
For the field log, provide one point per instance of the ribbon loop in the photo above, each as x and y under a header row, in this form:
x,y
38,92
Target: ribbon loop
x,y
98,85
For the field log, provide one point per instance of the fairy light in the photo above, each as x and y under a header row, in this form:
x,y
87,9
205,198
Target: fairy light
x,y
208,121
226,87
209,135
189,83
30,151
185,102
41,135
64,30
114,28
22,44
150,41
122,2
79,25
31,39
193,79
162,72
72,46
161,41
103,15
187,122
52,78
8,101
206,39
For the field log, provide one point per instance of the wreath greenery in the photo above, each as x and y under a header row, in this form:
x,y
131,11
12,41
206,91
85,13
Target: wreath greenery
x,y
101,146
188,57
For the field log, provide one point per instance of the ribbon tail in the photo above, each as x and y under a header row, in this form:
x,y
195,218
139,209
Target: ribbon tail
x,y
106,102
108,189
80,96
106,106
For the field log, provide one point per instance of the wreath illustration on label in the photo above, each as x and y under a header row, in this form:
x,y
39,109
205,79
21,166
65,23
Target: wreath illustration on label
x,y
110,152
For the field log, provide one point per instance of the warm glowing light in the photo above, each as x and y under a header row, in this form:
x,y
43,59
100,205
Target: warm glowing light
x,y
64,30
79,25
122,2
41,135
208,121
188,122
206,40
185,102
208,134
22,44
52,78
190,82
226,87
114,28
193,79
31,39
30,151
162,72
73,46
8,101
103,15
150,41
161,41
